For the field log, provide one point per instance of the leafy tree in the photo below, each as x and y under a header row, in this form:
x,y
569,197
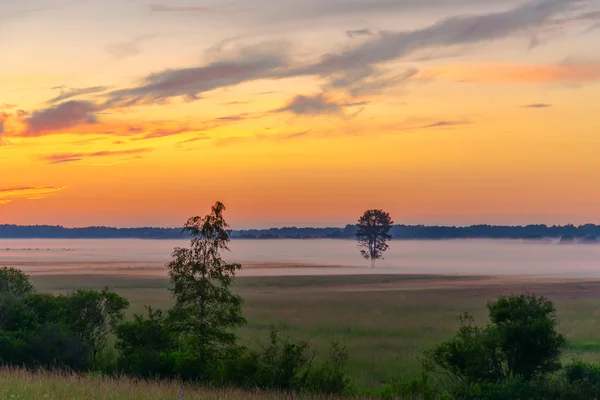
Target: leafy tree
x,y
525,327
146,345
206,311
14,282
373,234
519,343
93,315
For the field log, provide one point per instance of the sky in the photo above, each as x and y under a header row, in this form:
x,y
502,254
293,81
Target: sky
x,y
299,112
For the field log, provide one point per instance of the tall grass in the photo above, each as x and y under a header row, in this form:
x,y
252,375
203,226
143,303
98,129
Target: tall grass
x,y
20,384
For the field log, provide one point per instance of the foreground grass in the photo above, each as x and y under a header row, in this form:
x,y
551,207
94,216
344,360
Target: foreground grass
x,y
17,384
386,322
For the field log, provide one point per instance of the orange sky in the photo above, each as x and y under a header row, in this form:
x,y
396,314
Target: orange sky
x,y
300,113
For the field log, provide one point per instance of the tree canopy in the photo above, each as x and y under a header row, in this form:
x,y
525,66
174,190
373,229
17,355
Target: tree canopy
x,y
373,234
201,285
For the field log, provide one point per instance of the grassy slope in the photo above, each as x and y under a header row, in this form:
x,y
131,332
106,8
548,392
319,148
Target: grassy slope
x,y
385,321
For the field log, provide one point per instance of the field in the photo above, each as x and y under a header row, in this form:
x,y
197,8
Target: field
x,y
385,321
23,385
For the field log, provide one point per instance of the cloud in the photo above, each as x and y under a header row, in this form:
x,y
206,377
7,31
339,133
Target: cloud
x,y
249,65
160,133
461,30
70,157
67,94
186,9
318,104
445,124
128,48
194,139
516,73
6,106
234,118
359,32
285,11
353,67
9,194
312,105
371,81
59,117
537,105
296,135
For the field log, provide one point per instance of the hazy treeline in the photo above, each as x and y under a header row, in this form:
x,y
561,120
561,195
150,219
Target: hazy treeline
x,y
398,232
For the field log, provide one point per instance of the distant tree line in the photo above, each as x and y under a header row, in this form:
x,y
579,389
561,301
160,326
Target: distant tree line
x,y
403,232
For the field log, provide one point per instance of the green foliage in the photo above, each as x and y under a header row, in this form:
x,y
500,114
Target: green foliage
x,y
525,329
415,388
581,371
146,346
206,311
285,365
520,343
93,315
14,282
330,377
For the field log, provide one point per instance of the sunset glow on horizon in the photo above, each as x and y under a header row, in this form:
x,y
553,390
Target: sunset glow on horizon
x,y
295,112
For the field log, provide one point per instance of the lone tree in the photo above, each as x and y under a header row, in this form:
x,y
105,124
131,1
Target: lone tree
x,y
200,284
373,233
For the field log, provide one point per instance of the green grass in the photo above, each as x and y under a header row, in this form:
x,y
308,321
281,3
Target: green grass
x,y
386,322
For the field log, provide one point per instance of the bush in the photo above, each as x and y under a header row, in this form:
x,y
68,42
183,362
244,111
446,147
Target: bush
x,y
525,328
520,343
146,346
49,347
415,388
284,366
330,377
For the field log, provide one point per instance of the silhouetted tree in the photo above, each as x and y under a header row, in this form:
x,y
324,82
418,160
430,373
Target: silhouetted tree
x,y
373,233
201,282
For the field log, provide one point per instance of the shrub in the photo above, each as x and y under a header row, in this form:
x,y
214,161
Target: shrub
x,y
519,343
525,329
284,365
330,377
146,346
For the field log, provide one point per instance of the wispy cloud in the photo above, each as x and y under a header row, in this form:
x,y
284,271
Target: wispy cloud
x,y
537,105
314,105
9,194
516,73
186,9
359,32
71,157
248,65
446,124
62,116
160,133
67,93
353,67
129,48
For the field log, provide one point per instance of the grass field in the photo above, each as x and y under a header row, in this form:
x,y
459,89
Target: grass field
x,y
385,321
23,385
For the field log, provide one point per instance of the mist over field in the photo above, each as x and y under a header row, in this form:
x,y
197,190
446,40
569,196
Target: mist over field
x,y
311,257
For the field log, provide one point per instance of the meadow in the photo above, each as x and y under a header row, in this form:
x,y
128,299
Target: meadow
x,y
18,384
386,322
